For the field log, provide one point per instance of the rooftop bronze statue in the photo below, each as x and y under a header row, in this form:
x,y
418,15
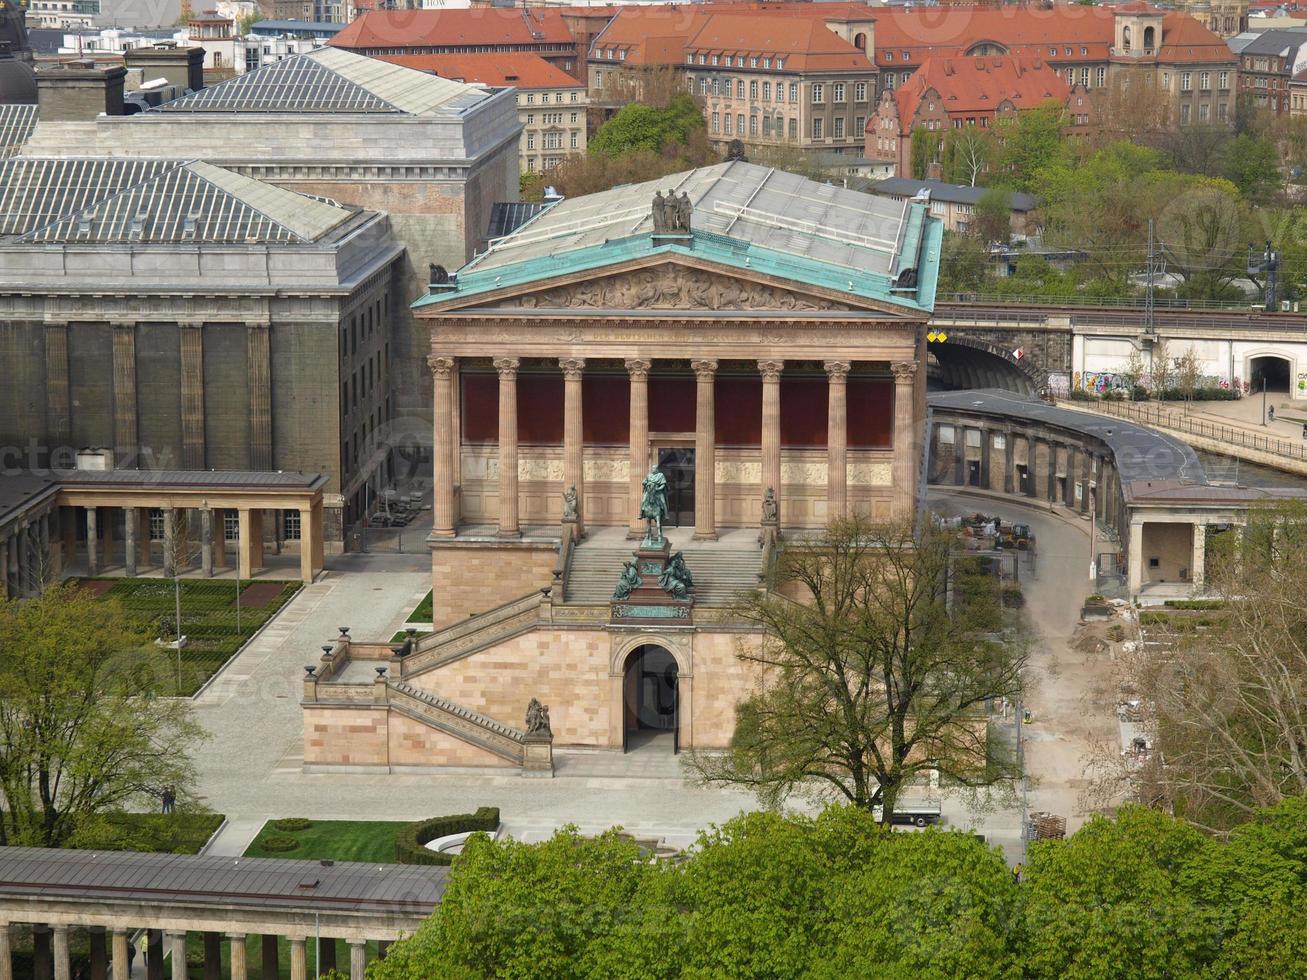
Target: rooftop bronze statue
x,y
653,506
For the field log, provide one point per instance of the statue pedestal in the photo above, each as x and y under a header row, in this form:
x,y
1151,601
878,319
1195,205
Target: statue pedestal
x,y
649,604
538,759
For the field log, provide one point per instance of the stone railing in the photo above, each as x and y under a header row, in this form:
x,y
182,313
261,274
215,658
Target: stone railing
x,y
502,740
317,692
563,566
476,633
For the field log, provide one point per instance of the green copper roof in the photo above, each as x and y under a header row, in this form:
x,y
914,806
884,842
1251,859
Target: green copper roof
x,y
744,216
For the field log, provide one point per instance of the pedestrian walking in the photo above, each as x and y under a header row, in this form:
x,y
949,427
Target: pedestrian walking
x,y
169,799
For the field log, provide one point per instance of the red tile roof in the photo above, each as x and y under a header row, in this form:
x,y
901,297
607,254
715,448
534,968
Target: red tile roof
x,y
979,86
454,28
520,70
665,35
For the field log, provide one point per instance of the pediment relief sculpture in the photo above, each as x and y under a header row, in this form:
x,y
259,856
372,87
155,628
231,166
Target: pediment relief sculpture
x,y
671,287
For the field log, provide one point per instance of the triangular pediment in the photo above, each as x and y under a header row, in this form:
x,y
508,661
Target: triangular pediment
x,y
676,286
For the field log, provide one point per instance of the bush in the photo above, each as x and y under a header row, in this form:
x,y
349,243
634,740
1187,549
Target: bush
x,y
279,843
1195,603
1116,632
411,841
292,823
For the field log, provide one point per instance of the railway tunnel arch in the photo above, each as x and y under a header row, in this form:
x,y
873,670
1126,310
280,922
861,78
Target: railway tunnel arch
x,y
960,362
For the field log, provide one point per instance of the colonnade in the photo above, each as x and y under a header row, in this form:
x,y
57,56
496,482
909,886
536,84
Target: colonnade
x,y
26,563
111,959
446,438
210,551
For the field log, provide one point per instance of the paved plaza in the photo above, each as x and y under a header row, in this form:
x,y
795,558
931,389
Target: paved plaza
x,y
250,769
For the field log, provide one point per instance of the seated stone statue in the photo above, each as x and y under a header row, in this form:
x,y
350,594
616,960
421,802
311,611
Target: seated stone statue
x,y
675,579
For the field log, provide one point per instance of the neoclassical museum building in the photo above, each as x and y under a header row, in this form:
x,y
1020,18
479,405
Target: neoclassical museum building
x,y
755,337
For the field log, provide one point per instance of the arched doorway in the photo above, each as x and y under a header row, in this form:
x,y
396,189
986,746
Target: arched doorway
x,y
1269,371
650,696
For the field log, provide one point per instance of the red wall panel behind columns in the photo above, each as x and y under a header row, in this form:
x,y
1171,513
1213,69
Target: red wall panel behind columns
x,y
606,409
480,407
739,410
803,412
671,403
871,413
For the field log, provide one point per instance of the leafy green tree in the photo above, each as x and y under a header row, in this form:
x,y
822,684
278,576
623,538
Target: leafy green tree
x,y
1253,166
967,152
637,126
882,673
1031,142
964,266
921,152
994,215
83,729
1109,901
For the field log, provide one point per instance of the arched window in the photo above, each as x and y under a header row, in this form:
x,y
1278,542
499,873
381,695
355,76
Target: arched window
x,y
1148,38
860,42
1125,37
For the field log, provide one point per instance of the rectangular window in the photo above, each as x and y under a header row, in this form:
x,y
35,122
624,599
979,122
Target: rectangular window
x,y
860,124
753,90
726,120
1100,77
860,92
766,62
156,525
715,125
946,435
766,126
1221,111
753,62
837,127
1184,114
1186,81
1203,111
766,91
837,92
739,89
794,129
753,125
531,99
817,128
818,93
530,141
1000,440
1224,79
739,123
973,438
780,64
1204,80
794,91
1084,77
290,524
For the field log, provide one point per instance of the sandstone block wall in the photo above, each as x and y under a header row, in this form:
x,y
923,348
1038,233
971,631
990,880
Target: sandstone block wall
x,y
472,577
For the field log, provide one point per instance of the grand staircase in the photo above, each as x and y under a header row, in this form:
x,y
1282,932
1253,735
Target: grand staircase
x,y
454,719
721,569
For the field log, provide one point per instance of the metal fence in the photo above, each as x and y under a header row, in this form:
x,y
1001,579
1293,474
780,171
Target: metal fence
x,y
1098,302
1154,414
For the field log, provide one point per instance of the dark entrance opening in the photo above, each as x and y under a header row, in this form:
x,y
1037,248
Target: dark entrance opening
x,y
973,472
1271,372
677,465
1023,480
649,696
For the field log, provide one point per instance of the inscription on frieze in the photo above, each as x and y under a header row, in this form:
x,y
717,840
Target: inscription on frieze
x,y
624,611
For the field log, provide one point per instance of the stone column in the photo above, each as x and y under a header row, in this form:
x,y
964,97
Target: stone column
x,y
169,542
299,969
130,526
574,434
4,569
1087,474
309,536
444,447
986,450
358,959
1052,471
47,569
837,440
92,544
771,430
125,425
509,527
58,402
99,965
639,439
904,466
244,543
24,561
258,360
268,954
1009,462
62,964
192,394
705,450
7,953
1198,565
119,955
236,953
206,542
219,539
177,953
1069,498
1135,558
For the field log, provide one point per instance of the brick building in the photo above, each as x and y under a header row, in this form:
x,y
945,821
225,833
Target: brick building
x,y
947,94
551,104
1268,64
484,30
798,75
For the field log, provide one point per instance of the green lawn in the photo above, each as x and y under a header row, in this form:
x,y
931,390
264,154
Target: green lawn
x,y
209,620
338,840
171,833
422,614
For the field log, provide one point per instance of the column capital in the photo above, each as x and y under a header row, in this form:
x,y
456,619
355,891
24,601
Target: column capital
x,y
237,936
191,324
638,367
838,371
704,369
120,324
506,366
257,325
572,367
442,365
771,369
904,371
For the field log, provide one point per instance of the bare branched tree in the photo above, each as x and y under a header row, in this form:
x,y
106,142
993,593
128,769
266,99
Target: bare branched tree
x,y
880,670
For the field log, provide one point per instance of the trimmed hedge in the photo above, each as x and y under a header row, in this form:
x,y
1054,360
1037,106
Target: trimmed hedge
x,y
279,843
292,823
411,841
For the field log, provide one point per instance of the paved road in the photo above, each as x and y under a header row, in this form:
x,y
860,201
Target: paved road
x,y
250,770
1068,692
